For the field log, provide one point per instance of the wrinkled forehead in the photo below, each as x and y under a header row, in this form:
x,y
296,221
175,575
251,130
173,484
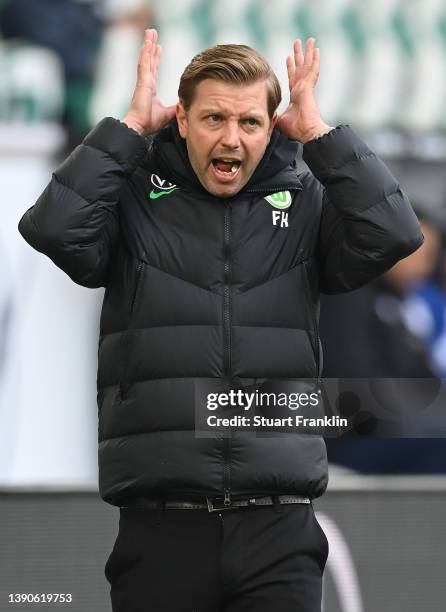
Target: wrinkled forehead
x,y
231,98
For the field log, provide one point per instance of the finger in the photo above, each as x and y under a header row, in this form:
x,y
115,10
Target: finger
x,y
146,44
157,61
146,64
170,111
154,48
291,70
309,51
153,51
144,59
150,34
316,63
298,55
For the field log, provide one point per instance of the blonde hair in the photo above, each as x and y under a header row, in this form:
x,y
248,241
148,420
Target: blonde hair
x,y
238,64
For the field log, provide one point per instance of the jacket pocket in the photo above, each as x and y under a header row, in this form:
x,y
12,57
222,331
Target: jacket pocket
x,y
129,334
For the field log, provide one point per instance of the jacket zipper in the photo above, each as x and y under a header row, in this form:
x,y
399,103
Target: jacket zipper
x,y
226,294
227,364
227,347
275,188
123,384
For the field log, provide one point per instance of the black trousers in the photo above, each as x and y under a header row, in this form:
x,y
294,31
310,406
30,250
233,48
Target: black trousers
x,y
247,560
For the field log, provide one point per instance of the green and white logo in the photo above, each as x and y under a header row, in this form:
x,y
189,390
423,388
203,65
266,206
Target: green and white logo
x,y
281,199
162,187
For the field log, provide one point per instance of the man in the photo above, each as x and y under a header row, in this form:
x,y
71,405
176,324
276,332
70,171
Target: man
x,y
212,251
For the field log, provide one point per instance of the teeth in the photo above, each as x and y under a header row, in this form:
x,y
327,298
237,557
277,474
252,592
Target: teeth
x,y
234,168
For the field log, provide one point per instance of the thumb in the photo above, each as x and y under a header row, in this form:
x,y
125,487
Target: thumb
x,y
170,111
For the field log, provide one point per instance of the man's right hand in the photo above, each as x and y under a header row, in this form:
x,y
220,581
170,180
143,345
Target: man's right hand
x,y
147,114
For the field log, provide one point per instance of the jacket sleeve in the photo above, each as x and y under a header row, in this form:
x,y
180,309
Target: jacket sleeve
x,y
367,222
75,220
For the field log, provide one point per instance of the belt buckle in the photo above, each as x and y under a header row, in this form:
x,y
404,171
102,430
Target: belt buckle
x,y
213,507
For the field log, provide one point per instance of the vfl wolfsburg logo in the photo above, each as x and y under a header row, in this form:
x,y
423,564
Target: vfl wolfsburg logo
x,y
281,199
162,187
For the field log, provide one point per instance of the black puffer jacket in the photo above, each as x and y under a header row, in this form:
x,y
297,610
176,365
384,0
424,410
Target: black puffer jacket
x,y
202,289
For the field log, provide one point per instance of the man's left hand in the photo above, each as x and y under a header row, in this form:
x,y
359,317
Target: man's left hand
x,y
302,120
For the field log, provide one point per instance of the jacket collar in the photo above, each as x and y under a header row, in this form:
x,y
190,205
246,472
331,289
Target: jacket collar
x,y
276,170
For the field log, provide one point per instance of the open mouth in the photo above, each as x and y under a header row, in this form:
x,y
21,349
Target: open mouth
x,y
225,167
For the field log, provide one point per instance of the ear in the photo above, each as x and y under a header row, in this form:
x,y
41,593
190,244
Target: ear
x,y
272,124
181,119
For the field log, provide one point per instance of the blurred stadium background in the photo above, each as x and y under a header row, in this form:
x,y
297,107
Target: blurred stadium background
x,y
65,64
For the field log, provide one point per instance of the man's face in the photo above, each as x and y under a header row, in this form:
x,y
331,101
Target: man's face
x,y
227,129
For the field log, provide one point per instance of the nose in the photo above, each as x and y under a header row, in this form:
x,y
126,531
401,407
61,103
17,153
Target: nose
x,y
231,135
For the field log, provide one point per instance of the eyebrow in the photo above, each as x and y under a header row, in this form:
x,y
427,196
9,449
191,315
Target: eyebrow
x,y
214,111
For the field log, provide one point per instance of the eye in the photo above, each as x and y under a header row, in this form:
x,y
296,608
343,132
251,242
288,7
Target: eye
x,y
215,118
250,121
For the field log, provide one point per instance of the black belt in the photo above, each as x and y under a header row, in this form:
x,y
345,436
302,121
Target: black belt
x,y
215,504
